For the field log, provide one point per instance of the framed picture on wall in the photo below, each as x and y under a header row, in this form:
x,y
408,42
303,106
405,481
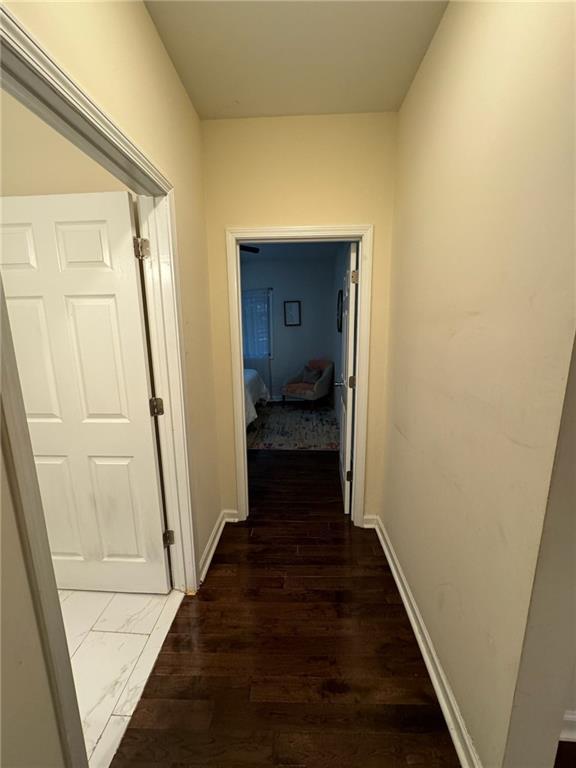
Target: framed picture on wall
x,y
292,313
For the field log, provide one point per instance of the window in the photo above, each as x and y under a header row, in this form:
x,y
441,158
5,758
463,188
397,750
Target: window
x,y
257,323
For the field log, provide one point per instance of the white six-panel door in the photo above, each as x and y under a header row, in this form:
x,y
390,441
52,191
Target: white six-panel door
x,y
72,288
344,393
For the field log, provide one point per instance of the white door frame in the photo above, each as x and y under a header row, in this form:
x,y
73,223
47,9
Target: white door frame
x,y
157,224
35,79
360,233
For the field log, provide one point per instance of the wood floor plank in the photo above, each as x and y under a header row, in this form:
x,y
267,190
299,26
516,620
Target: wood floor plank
x,y
352,690
566,756
296,651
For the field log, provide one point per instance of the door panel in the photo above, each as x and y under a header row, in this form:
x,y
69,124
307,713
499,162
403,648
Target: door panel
x,y
98,357
346,393
57,493
117,503
35,361
75,309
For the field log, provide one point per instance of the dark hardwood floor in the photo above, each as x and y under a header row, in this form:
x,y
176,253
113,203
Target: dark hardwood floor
x,y
566,755
296,651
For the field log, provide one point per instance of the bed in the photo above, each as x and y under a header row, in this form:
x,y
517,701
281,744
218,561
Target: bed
x,y
255,391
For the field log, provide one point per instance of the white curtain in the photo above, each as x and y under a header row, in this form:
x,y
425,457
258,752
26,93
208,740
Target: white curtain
x,y
256,323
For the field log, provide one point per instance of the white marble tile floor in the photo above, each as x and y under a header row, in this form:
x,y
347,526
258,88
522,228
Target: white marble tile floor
x,y
114,640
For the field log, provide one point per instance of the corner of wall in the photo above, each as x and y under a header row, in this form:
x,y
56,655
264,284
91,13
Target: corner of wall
x,y
225,516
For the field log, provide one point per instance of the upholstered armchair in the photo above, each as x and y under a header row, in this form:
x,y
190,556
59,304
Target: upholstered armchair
x,y
312,382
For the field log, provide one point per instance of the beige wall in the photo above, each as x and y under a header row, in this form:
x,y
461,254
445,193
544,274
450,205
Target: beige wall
x,y
116,56
36,160
482,324
335,169
25,690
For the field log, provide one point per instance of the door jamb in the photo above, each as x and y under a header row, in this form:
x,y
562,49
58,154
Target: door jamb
x,y
161,275
364,235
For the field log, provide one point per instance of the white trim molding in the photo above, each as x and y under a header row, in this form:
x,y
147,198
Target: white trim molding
x,y
457,727
35,79
226,516
569,726
363,234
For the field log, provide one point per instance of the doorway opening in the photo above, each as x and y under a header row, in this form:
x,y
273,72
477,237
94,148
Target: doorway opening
x,y
76,300
299,339
299,308
90,358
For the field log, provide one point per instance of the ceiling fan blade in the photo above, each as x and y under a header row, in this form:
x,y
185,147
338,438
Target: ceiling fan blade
x,y
249,248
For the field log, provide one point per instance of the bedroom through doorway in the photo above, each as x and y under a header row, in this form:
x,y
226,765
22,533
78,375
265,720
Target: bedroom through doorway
x,y
292,343
298,334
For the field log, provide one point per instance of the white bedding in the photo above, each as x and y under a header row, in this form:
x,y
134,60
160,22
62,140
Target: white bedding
x,y
254,391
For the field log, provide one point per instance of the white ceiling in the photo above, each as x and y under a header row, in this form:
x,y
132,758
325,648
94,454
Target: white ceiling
x,y
240,58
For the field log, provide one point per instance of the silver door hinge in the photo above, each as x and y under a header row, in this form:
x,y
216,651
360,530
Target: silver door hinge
x,y
168,538
352,382
354,277
141,247
156,406
349,476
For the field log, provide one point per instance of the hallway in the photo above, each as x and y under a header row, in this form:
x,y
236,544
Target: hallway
x,y
296,651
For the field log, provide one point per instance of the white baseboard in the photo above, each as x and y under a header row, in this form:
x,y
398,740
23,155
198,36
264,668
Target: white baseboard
x,y
226,516
462,741
569,727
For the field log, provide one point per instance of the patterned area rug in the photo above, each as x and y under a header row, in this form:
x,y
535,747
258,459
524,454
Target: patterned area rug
x,y
294,427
